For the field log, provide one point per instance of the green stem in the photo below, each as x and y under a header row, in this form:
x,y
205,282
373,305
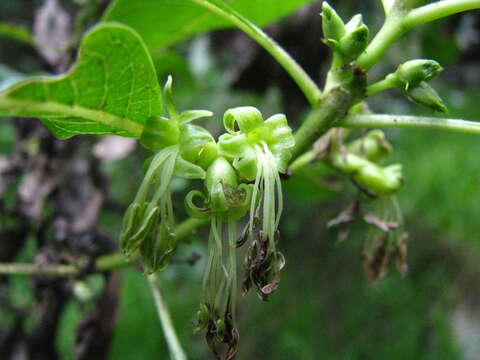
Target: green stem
x,y
302,160
306,84
438,10
333,107
38,270
405,121
176,351
400,20
187,227
379,86
102,263
391,30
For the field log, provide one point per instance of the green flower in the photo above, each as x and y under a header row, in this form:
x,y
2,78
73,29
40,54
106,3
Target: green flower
x,y
260,150
183,150
242,145
148,223
197,148
224,202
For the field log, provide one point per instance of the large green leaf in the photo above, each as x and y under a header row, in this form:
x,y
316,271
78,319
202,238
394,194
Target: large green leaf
x,y
112,89
163,22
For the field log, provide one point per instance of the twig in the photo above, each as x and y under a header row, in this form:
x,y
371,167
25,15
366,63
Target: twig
x,y
176,351
103,263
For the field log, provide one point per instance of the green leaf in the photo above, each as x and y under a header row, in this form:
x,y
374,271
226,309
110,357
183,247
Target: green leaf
x,y
164,22
112,89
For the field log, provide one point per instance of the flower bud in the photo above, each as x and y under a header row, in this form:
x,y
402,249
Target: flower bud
x,y
377,179
219,174
332,25
354,43
413,72
380,180
197,151
374,146
425,95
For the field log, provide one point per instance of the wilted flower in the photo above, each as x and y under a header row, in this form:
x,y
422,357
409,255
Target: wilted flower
x,y
386,239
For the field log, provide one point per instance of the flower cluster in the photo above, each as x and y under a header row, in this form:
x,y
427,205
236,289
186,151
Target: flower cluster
x,y
183,150
245,177
240,176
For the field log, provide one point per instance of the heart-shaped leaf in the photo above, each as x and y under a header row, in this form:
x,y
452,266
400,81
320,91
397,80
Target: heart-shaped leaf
x,y
112,89
164,22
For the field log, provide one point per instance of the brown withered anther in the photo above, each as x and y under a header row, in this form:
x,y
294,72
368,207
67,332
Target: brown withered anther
x,y
221,335
262,265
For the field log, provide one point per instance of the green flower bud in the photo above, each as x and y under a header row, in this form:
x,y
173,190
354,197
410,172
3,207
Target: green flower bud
x,y
380,180
374,146
354,43
413,72
193,140
220,172
332,25
219,175
425,95
157,251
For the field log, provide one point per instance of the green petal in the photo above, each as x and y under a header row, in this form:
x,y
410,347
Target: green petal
x,y
188,170
247,166
232,146
246,117
168,98
280,134
194,210
190,115
282,158
193,141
